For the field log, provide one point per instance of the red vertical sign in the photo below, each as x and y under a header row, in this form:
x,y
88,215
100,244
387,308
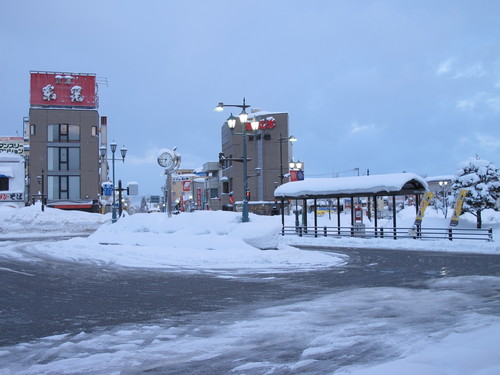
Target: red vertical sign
x,y
198,197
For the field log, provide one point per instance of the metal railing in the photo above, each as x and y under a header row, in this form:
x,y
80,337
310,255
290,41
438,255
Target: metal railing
x,y
394,233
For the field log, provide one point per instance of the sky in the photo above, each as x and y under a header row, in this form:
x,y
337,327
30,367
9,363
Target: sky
x,y
385,86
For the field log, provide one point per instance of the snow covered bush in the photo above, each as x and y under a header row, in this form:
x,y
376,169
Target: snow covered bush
x,y
482,180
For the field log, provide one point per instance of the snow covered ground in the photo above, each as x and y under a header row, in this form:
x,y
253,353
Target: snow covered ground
x,y
455,334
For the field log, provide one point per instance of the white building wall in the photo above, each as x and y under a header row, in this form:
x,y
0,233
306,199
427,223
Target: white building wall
x,y
12,167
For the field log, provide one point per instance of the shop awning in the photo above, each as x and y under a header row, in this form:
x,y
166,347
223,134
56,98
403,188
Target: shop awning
x,y
6,172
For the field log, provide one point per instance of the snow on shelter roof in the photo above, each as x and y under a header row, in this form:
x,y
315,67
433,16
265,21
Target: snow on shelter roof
x,y
382,184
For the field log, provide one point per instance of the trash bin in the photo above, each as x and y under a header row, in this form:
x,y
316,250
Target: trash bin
x,y
359,230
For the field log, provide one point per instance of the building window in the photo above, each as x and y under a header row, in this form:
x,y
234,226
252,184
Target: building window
x,y
32,129
63,187
63,158
4,183
214,193
94,131
63,133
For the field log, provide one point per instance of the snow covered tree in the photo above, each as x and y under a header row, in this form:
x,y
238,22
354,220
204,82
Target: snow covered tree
x,y
482,180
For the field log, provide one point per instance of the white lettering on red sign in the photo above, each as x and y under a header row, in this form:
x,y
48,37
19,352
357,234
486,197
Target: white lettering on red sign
x,y
48,93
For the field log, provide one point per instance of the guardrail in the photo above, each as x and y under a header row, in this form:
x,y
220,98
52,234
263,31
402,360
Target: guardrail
x,y
395,233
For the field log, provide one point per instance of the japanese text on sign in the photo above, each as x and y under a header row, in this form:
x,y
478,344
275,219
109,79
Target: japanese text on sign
x,y
11,196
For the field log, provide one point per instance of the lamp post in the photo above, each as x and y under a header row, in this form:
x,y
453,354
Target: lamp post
x,y
445,203
231,123
297,166
41,180
123,152
281,139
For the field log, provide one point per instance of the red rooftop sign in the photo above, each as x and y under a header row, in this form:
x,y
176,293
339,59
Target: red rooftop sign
x,y
52,89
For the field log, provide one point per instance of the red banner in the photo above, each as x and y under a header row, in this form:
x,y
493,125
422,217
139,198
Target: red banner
x,y
63,89
198,197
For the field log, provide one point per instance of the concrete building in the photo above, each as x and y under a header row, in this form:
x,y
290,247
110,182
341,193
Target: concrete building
x,y
63,130
182,185
269,152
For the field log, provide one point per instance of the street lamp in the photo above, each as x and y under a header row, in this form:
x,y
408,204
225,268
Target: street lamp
x,y
41,180
297,166
231,123
445,203
291,138
123,152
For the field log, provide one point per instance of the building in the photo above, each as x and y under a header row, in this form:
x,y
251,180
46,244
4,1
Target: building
x,y
63,130
11,179
269,153
440,185
182,185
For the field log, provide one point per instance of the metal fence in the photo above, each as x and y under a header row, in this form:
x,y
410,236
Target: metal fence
x,y
394,233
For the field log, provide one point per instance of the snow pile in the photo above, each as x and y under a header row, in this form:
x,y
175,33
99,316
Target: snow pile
x,y
32,221
261,232
203,240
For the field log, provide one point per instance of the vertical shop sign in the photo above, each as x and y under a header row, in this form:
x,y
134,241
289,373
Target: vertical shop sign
x,y
457,211
423,205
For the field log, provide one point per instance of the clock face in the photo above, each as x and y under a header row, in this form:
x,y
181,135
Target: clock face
x,y
166,160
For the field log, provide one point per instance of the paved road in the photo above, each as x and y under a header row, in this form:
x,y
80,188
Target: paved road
x,y
40,299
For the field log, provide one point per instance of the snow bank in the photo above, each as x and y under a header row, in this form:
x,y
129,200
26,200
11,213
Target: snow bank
x,y
203,240
32,221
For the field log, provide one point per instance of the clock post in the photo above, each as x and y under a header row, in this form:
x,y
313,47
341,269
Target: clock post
x,y
170,160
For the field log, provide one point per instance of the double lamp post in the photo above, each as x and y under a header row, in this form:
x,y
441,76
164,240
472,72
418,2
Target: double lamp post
x,y
123,152
231,123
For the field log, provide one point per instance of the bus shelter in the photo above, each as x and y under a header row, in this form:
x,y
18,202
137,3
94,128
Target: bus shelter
x,y
371,187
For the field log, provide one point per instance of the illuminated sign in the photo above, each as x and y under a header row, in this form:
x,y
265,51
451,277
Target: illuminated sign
x,y
267,123
51,89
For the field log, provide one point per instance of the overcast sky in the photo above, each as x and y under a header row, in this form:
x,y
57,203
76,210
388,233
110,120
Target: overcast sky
x,y
388,86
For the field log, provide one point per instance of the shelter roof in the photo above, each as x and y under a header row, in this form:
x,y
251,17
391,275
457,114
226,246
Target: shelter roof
x,y
361,186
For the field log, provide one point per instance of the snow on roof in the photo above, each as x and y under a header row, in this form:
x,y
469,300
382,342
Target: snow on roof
x,y
259,113
447,177
404,183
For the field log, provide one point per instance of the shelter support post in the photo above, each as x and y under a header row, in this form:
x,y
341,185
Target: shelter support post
x,y
304,214
375,209
315,218
394,215
282,217
338,215
352,211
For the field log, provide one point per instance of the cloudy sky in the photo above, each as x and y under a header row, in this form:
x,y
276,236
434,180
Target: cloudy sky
x,y
388,86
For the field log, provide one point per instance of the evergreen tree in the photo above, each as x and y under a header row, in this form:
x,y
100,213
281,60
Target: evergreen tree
x,y
482,180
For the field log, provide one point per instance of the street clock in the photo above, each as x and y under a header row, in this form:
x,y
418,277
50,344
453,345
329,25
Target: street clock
x,y
169,159
166,159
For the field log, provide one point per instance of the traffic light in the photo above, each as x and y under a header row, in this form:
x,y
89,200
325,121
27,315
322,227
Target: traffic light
x,y
248,195
222,160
